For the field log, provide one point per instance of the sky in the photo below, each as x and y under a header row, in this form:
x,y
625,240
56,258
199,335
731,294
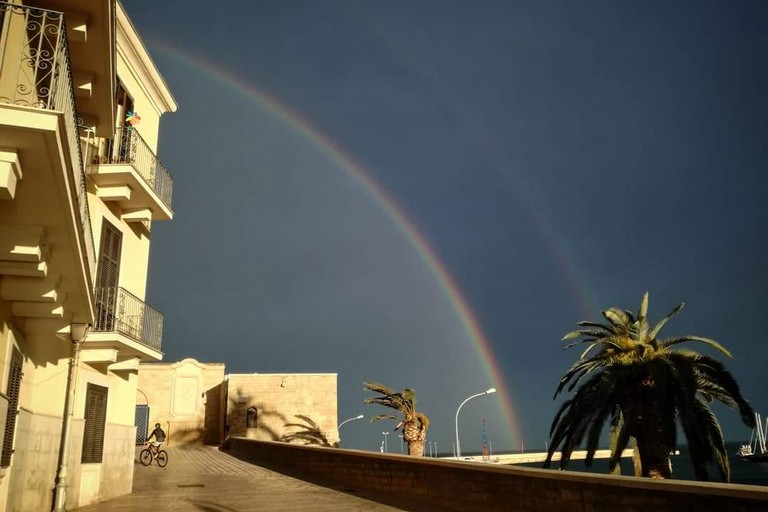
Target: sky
x,y
431,194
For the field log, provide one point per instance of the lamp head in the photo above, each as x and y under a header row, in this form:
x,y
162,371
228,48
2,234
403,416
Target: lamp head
x,y
359,417
492,390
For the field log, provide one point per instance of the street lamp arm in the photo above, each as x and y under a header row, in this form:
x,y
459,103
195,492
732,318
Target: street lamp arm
x,y
358,417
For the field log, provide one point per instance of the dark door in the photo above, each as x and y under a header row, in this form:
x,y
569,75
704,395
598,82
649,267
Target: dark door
x,y
142,423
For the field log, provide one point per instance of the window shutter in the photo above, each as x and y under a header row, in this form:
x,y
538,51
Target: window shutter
x,y
108,276
95,423
14,385
109,258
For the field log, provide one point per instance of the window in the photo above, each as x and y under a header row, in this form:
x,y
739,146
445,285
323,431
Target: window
x,y
251,418
95,421
12,393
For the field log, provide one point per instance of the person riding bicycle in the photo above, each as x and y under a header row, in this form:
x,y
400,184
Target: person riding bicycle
x,y
159,435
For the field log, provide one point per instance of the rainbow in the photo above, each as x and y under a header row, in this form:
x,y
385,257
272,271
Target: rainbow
x,y
385,201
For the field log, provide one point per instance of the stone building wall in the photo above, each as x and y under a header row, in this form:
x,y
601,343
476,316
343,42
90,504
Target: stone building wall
x,y
303,407
184,398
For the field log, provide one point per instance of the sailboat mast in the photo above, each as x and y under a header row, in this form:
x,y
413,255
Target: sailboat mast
x,y
763,436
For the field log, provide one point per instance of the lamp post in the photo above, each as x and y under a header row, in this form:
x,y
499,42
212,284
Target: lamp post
x,y
458,446
401,442
359,417
385,434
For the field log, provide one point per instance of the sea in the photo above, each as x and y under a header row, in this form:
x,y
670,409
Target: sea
x,y
742,472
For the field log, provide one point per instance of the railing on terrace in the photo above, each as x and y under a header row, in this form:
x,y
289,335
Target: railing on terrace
x,y
128,147
118,310
35,71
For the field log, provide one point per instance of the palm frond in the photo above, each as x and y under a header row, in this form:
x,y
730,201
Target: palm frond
x,y
607,328
594,333
670,342
619,319
656,328
380,417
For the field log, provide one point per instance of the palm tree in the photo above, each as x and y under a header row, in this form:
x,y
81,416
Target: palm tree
x,y
643,386
414,424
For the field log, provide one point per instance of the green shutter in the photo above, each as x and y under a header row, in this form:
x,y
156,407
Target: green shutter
x,y
12,393
95,422
107,277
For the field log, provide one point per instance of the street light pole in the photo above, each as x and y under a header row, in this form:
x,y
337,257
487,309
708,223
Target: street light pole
x,y
385,441
458,446
401,442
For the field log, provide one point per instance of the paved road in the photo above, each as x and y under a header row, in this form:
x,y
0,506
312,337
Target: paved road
x,y
205,479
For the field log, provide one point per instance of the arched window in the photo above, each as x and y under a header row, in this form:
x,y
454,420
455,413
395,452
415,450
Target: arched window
x,y
251,417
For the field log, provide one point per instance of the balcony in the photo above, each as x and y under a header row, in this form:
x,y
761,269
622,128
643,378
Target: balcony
x,y
125,324
43,195
128,172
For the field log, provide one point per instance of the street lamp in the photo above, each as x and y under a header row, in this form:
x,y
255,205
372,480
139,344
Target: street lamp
x,y
458,446
401,442
350,419
385,441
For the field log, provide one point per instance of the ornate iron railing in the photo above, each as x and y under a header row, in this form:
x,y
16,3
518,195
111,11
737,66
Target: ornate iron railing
x,y
118,310
35,71
128,147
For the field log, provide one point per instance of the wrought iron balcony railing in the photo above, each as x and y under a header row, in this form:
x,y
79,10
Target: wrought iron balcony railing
x,y
118,310
128,147
37,73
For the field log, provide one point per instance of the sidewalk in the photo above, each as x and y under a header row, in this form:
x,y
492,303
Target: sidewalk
x,y
202,478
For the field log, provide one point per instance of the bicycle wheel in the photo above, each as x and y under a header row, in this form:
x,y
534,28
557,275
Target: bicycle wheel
x,y
162,458
145,457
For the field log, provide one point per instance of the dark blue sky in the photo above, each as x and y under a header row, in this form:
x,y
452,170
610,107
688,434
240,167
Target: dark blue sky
x,y
560,158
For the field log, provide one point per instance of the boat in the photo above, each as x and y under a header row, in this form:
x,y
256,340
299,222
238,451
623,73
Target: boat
x,y
755,451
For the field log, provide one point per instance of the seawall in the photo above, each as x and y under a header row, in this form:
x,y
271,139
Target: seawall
x,y
463,486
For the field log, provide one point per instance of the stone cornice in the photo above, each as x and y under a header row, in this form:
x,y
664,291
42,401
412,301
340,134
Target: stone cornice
x,y
130,46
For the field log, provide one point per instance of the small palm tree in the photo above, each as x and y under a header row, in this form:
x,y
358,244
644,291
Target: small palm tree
x,y
414,424
643,386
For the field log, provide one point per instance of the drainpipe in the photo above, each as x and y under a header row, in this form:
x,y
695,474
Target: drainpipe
x,y
77,333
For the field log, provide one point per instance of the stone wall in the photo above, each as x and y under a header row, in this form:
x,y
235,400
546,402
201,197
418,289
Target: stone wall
x,y
34,463
284,404
452,485
180,398
117,466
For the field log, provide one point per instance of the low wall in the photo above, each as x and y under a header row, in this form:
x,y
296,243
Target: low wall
x,y
453,485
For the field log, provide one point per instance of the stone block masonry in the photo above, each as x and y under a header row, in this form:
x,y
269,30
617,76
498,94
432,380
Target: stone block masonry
x,y
460,486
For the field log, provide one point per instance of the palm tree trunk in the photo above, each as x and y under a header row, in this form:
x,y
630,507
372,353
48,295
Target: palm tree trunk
x,y
415,435
416,448
655,459
652,439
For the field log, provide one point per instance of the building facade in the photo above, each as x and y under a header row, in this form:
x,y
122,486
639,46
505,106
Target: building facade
x,y
299,407
184,397
197,403
80,186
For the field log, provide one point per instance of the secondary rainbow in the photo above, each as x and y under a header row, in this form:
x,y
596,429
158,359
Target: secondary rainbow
x,y
384,200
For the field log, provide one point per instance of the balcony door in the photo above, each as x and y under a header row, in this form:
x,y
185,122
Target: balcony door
x,y
123,150
107,277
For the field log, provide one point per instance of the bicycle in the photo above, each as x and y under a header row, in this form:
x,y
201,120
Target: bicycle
x,y
147,456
